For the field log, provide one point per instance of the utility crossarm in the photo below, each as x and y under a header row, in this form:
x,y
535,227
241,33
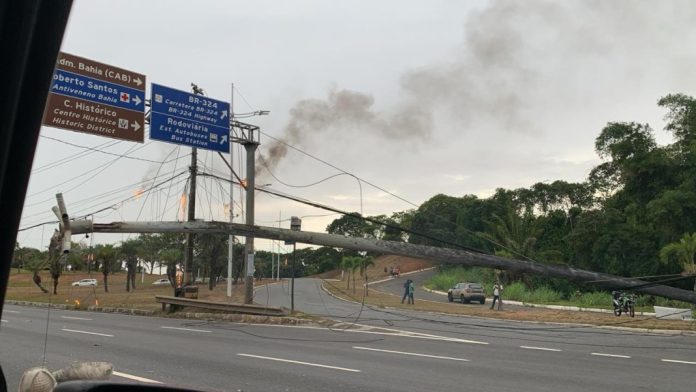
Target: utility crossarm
x,y
443,255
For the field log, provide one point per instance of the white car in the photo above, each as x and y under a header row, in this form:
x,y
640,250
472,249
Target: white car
x,y
85,282
160,282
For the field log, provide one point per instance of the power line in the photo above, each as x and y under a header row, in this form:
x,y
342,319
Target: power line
x,y
466,230
99,196
72,157
129,198
101,151
358,216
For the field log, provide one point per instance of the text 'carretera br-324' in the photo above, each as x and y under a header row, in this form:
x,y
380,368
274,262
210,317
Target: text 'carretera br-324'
x,y
92,97
188,119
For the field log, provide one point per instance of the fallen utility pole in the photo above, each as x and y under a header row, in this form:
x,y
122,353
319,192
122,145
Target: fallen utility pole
x,y
443,255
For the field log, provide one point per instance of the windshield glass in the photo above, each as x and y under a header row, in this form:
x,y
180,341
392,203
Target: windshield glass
x,y
246,196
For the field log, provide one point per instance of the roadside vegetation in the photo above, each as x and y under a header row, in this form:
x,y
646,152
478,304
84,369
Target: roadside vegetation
x,y
540,293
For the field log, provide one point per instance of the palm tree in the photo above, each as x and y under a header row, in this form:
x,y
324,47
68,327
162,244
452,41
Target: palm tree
x,y
682,251
347,265
363,263
172,256
130,250
108,256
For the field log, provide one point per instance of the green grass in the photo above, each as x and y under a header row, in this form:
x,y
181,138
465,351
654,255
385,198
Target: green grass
x,y
517,291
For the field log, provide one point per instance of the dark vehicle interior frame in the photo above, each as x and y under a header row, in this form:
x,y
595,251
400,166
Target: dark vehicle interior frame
x,y
31,32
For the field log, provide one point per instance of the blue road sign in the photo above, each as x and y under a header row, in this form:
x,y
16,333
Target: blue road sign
x,y
99,91
188,119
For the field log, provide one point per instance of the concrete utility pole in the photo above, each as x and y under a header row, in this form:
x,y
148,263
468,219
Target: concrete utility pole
x,y
230,239
249,246
443,255
249,138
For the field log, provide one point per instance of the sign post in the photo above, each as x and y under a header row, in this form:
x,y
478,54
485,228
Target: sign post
x,y
91,97
189,119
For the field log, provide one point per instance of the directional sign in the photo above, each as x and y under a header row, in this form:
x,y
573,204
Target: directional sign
x,y
91,97
192,120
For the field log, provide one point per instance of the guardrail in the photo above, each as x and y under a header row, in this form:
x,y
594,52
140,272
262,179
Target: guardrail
x,y
174,302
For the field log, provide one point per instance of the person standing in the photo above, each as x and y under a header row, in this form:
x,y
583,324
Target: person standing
x,y
497,289
406,284
411,289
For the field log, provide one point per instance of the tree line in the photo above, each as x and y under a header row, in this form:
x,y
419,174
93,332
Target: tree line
x,y
634,215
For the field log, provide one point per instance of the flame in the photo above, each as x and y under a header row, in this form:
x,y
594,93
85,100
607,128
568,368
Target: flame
x,y
77,302
138,192
182,205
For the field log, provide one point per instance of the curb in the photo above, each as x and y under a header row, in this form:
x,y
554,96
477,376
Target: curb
x,y
236,317
405,273
672,332
554,307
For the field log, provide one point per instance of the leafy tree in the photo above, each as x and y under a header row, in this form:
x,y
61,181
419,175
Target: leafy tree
x,y
211,248
683,252
352,225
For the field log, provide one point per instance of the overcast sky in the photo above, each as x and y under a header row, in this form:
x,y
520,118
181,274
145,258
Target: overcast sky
x,y
417,97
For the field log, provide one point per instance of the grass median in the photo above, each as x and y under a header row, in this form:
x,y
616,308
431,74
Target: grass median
x,y
379,299
22,288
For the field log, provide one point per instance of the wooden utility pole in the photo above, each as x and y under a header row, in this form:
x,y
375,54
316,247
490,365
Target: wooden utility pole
x,y
443,255
190,237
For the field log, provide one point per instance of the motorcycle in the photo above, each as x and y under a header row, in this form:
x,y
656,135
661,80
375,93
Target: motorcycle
x,y
625,303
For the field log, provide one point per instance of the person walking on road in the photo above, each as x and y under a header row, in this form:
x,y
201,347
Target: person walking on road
x,y
497,289
411,289
406,284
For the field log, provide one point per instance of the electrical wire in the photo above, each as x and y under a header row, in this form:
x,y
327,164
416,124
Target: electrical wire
x,y
104,152
72,157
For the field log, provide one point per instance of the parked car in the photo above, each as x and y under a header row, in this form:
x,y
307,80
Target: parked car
x,y
467,292
85,282
161,282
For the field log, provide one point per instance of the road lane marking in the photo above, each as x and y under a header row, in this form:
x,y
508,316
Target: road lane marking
x,y
87,332
187,329
678,361
611,355
11,311
413,354
76,318
299,362
135,378
409,334
540,348
3,320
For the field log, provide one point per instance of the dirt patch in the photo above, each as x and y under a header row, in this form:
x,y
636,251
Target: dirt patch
x,y
384,300
21,288
384,264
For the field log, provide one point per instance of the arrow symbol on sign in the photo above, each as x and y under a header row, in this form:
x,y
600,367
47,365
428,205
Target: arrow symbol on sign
x,y
138,81
223,115
137,100
135,126
224,139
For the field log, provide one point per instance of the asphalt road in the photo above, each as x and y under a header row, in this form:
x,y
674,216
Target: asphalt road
x,y
385,350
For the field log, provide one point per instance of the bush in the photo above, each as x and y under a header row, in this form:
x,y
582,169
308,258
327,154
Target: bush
x,y
449,276
515,291
593,299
